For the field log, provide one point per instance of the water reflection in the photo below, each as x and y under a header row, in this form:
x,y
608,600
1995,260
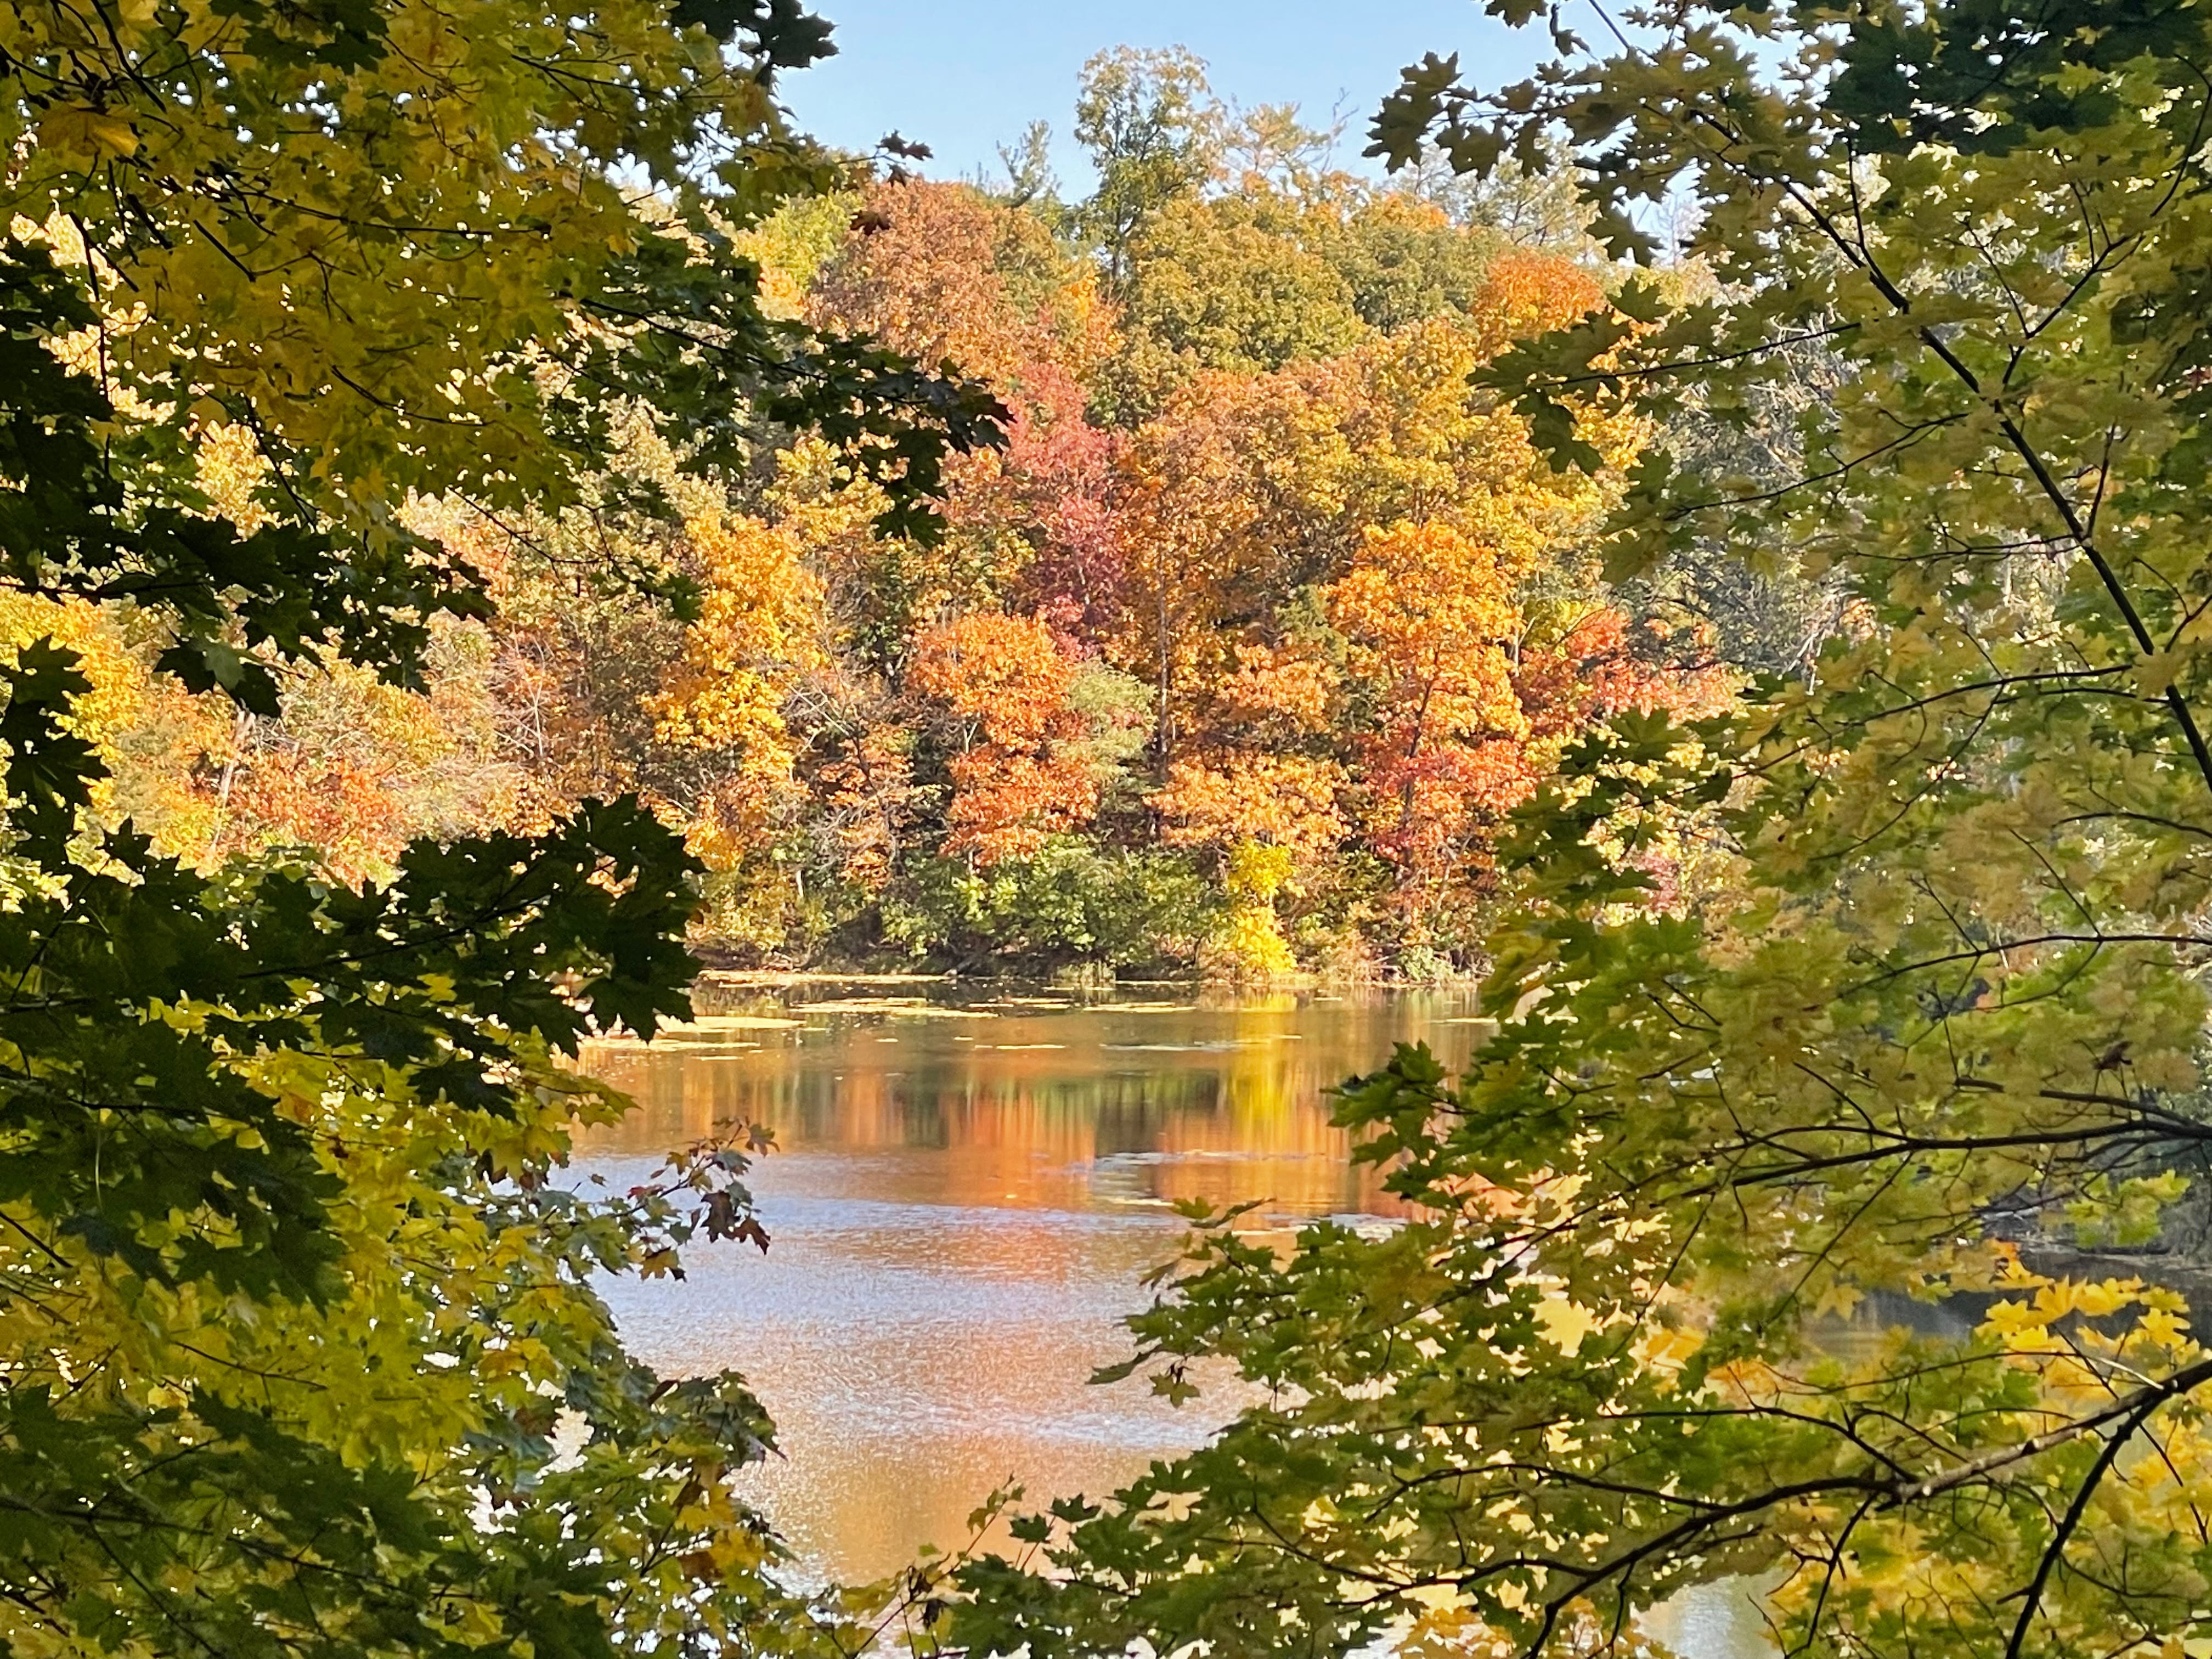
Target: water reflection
x,y
968,1187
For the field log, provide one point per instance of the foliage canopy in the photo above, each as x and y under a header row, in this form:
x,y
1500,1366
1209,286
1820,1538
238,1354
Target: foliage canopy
x,y
290,1304
1168,547
1931,1035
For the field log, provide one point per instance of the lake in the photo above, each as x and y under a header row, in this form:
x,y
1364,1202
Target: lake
x,y
970,1181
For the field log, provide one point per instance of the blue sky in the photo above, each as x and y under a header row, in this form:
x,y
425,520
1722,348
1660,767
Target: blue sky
x,y
966,75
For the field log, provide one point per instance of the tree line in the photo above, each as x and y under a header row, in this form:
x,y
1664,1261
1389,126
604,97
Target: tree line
x,y
1231,655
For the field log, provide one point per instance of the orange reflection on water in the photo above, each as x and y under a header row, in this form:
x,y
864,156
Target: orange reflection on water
x,y
962,1208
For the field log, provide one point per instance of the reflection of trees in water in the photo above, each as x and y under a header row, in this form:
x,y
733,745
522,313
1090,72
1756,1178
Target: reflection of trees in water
x,y
968,1218
1220,1103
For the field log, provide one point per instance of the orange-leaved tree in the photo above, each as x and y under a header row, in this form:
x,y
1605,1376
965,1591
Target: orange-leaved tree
x,y
1020,768
1256,782
1431,615
942,273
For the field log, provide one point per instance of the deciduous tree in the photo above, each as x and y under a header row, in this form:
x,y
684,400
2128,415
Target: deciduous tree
x,y
1939,1035
1018,772
290,1302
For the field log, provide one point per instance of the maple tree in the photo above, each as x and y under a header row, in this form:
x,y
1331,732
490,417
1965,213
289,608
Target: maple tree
x,y
944,274
1934,1032
1018,774
1152,125
1224,285
1429,617
291,1303
1261,769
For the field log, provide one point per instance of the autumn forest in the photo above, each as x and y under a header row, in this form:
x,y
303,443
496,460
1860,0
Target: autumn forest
x,y
1668,595
1231,658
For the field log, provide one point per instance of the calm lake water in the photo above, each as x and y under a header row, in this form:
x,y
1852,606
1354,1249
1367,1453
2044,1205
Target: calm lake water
x,y
968,1183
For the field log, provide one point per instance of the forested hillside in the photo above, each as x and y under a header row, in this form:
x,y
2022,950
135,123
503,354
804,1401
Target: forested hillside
x,y
1232,657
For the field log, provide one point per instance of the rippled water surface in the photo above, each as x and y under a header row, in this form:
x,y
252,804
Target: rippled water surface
x,y
970,1183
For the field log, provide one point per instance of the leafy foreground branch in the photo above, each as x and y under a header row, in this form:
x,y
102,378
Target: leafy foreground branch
x,y
1939,1012
299,1352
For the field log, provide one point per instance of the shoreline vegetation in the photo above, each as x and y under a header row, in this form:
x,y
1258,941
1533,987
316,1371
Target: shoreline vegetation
x,y
1077,979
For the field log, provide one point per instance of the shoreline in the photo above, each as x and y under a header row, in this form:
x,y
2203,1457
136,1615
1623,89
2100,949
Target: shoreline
x,y
1081,981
